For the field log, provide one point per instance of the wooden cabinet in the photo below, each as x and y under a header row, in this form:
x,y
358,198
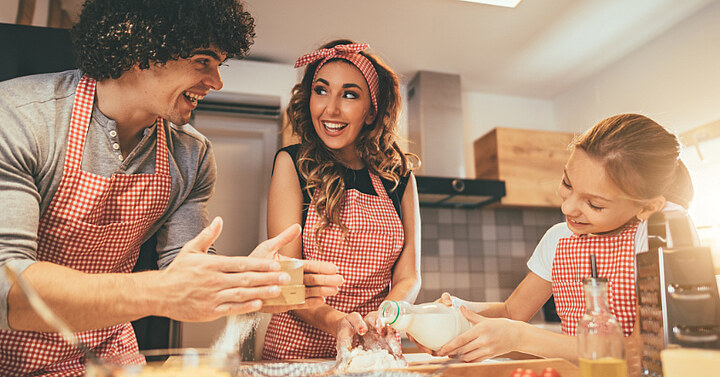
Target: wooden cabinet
x,y
530,162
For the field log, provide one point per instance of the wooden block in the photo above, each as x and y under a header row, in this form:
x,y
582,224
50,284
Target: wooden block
x,y
289,295
530,162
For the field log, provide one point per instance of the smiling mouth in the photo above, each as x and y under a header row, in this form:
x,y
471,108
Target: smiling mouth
x,y
192,97
574,222
333,126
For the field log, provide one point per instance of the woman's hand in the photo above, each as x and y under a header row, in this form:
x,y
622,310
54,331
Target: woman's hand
x,y
488,337
346,329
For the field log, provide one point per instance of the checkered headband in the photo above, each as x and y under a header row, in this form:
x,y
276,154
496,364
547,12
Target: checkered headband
x,y
351,53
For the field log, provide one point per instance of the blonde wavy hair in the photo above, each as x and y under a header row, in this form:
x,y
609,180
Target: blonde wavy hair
x,y
377,144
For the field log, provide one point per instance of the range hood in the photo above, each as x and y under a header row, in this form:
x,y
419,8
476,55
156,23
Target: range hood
x,y
435,130
458,192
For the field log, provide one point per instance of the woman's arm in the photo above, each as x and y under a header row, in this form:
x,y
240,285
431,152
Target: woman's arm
x,y
285,202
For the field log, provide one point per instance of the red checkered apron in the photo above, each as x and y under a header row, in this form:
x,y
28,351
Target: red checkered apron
x,y
615,261
365,259
93,224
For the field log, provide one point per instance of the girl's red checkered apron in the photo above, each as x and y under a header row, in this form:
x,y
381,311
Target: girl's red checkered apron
x,y
365,259
95,225
615,261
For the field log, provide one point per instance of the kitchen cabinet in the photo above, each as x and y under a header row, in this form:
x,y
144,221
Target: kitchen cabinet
x,y
531,163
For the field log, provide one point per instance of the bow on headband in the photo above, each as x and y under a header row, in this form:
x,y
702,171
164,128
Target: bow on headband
x,y
351,53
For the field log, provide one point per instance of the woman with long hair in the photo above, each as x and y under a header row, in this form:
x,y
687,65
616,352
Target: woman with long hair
x,y
350,185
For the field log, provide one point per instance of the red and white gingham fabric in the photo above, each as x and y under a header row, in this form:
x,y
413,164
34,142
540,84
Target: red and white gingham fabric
x,y
351,53
365,259
93,224
615,262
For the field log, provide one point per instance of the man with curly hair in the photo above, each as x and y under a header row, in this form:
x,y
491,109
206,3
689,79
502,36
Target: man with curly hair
x,y
95,161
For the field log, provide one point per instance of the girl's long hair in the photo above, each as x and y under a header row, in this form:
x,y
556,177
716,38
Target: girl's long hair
x,y
377,143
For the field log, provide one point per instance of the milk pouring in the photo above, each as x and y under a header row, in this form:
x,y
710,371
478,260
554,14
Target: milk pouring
x,y
432,324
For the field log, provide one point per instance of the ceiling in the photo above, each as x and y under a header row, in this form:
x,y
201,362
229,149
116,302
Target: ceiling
x,y
538,49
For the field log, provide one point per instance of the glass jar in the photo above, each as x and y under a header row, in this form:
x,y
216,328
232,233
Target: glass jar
x,y
601,343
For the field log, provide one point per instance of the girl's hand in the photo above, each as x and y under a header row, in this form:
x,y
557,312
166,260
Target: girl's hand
x,y
446,299
487,338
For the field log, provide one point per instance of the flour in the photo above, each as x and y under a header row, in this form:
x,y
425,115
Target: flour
x,y
361,360
236,331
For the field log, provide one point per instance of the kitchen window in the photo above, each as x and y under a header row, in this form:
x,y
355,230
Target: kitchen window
x,y
701,154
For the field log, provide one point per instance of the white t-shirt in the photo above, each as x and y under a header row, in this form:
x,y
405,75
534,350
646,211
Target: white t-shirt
x,y
542,259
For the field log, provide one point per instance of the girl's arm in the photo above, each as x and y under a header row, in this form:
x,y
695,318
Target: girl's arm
x,y
285,202
499,328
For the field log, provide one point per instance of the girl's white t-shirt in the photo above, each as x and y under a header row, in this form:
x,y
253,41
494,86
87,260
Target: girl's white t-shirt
x,y
542,258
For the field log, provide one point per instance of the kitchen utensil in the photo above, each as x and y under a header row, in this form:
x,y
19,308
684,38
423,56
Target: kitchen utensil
x,y
47,315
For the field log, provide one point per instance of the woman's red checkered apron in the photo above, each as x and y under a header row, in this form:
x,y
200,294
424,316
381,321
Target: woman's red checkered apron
x,y
375,240
615,261
93,224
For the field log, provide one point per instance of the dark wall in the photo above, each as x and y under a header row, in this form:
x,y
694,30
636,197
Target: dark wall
x,y
28,50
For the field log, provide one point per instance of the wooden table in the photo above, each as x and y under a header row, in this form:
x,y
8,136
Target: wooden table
x,y
495,368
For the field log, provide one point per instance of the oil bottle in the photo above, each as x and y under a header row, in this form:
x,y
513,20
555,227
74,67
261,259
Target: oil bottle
x,y
601,344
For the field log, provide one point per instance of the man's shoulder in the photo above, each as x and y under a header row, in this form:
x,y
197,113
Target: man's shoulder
x,y
39,89
187,131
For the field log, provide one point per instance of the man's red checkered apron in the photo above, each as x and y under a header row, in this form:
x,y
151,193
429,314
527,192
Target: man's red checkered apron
x,y
95,225
375,240
615,262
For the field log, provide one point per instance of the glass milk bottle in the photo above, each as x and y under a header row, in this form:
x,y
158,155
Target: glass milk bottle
x,y
432,324
601,344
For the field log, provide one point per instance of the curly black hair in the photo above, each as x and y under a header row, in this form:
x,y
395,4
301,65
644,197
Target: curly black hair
x,y
114,35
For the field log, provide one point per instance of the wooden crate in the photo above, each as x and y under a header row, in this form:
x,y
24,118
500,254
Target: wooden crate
x,y
530,162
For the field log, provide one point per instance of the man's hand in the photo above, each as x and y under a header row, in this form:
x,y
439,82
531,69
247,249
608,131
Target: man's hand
x,y
201,287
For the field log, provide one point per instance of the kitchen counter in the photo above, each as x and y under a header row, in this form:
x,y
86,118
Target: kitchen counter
x,y
497,367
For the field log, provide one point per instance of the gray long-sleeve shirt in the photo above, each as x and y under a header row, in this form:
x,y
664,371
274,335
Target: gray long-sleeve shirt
x,y
34,124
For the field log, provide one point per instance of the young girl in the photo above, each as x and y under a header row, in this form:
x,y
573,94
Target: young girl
x,y
350,185
620,171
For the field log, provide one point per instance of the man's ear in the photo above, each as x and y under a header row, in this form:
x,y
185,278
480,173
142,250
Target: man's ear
x,y
652,206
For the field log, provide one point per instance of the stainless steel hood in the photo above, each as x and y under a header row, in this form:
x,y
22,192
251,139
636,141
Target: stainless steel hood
x,y
435,125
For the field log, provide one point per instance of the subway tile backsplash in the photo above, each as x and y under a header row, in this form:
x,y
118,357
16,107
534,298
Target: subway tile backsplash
x,y
479,254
